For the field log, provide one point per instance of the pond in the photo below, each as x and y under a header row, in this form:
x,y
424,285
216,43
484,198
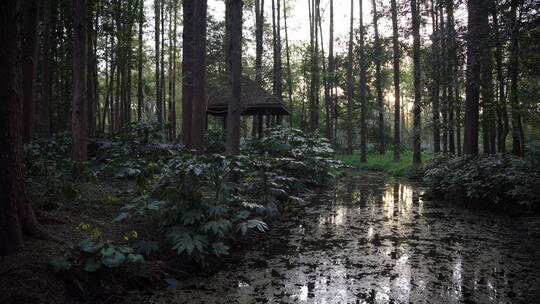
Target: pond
x,y
377,241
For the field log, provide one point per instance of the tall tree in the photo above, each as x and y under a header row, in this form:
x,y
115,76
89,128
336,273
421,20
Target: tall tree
x,y
476,13
187,72
259,23
378,80
173,80
486,85
350,85
278,66
288,58
435,82
235,68
80,49
140,96
502,113
29,48
517,131
157,14
451,71
396,56
16,214
363,85
199,76
329,130
46,88
314,85
417,109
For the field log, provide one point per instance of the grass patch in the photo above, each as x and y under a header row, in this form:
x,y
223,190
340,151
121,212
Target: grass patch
x,y
384,162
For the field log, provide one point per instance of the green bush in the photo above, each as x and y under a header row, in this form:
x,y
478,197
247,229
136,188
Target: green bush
x,y
500,180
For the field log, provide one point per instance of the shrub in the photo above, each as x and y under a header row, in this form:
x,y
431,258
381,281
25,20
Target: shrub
x,y
501,180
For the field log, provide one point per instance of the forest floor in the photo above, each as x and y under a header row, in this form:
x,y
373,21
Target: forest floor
x,y
372,238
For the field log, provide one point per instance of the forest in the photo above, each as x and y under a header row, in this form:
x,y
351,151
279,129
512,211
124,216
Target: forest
x,y
278,151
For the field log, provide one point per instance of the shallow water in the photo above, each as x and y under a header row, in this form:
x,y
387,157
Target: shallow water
x,y
379,242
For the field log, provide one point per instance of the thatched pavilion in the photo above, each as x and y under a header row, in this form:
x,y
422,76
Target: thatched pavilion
x,y
255,102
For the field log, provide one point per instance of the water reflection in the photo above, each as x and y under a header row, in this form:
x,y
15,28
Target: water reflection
x,y
381,243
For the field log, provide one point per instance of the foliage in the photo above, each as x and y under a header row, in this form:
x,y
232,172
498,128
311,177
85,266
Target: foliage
x,y
384,163
499,180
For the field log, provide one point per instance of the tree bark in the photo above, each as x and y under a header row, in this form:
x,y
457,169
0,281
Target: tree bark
x,y
289,75
79,119
475,9
140,93
451,73
259,22
396,56
350,138
199,76
435,81
30,48
417,110
378,81
363,89
502,113
330,78
187,72
517,132
235,67
157,13
46,88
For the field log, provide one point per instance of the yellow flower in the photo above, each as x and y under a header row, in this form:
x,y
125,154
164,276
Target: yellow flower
x,y
126,238
95,233
83,226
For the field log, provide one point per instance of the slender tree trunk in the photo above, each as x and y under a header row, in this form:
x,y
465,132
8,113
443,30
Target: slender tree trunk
x,y
157,13
435,81
417,109
259,23
199,76
173,97
329,83
517,142
140,93
350,85
502,113
30,49
46,88
314,91
289,75
378,81
396,56
441,68
163,96
488,103
475,9
91,65
187,72
363,89
79,119
451,73
235,67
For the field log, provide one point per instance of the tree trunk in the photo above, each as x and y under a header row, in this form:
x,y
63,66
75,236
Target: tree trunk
x,y
289,75
46,87
502,113
79,119
396,55
488,103
378,81
417,110
435,81
475,9
235,67
173,97
163,93
517,142
441,68
259,22
314,87
363,88
157,46
451,73
350,138
199,76
140,96
187,72
30,48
